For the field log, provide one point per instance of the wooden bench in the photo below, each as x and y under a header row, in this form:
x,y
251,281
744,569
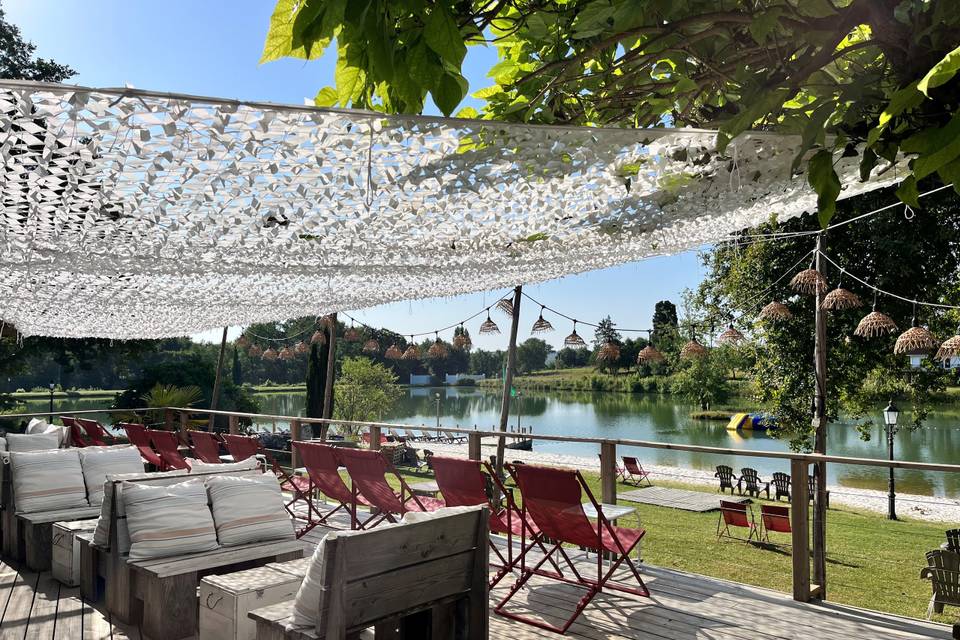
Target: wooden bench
x,y
169,584
419,580
28,537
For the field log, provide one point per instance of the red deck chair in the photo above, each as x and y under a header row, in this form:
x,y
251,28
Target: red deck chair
x,y
166,443
634,473
241,447
553,497
736,514
138,437
78,437
463,484
95,432
368,474
323,475
365,437
206,446
620,471
774,518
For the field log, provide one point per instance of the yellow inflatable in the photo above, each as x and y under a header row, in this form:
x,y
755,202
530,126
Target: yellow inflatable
x,y
740,421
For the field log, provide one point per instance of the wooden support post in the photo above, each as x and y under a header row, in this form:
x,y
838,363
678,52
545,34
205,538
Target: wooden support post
x,y
508,377
294,437
374,438
217,381
473,446
168,419
799,523
184,424
820,437
608,472
234,425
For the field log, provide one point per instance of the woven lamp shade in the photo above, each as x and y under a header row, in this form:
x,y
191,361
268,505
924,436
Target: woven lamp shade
x,y
393,353
438,350
730,336
775,312
351,335
301,348
286,354
412,352
462,341
541,325
649,354
270,354
574,339
609,352
808,281
242,342
489,326
506,305
318,337
693,349
255,351
874,325
915,340
840,299
371,346
950,348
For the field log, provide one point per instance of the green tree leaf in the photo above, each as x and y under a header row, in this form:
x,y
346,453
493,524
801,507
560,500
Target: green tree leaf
x,y
350,81
326,97
449,92
943,147
940,73
594,18
443,36
902,100
825,182
907,192
764,24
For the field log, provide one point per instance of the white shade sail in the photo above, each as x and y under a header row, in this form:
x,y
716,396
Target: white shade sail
x,y
136,214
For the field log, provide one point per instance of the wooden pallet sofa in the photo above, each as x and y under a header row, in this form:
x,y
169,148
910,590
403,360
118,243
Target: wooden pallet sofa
x,y
52,485
426,577
160,593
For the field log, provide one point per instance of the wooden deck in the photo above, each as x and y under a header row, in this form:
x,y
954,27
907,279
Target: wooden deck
x,y
682,606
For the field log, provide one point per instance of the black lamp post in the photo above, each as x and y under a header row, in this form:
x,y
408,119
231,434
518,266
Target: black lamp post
x,y
53,386
519,409
890,415
437,398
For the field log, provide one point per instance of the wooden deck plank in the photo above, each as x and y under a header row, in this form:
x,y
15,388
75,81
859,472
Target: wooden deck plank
x,y
8,577
69,615
43,614
16,616
96,626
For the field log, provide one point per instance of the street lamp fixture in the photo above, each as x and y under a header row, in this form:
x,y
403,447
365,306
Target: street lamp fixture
x,y
436,397
890,415
53,386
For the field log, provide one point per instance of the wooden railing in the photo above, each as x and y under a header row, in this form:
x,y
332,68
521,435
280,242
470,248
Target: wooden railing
x,y
178,418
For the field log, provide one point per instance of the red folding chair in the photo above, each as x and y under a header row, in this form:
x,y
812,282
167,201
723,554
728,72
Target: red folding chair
x,y
138,437
241,447
736,514
621,473
78,437
323,476
166,443
206,446
368,474
774,518
553,497
95,432
463,484
634,473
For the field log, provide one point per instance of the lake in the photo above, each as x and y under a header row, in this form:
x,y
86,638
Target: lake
x,y
660,418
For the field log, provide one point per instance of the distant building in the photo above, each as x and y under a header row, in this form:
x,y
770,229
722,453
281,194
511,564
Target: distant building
x,y
454,378
916,359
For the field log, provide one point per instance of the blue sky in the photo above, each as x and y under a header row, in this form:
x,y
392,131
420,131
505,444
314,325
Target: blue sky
x,y
211,47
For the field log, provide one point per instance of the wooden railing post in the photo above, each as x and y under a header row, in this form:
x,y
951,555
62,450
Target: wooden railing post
x,y
234,425
375,438
184,423
168,419
800,524
473,446
294,437
608,472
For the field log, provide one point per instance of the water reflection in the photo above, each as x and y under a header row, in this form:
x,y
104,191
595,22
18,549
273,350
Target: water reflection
x,y
613,415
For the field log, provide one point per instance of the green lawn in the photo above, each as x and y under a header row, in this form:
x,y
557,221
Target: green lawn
x,y
871,562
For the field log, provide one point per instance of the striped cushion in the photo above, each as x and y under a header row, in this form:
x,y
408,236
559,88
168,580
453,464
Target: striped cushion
x,y
248,509
47,480
32,441
168,521
99,462
101,537
199,466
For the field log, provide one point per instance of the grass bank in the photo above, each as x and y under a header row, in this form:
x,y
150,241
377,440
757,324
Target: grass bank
x,y
61,395
872,562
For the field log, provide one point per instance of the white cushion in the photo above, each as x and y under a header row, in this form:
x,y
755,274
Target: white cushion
x,y
168,521
3,444
99,462
101,536
37,425
32,441
248,509
199,466
47,480
309,601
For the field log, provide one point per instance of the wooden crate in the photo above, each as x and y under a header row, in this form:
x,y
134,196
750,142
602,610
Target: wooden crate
x,y
225,601
65,561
